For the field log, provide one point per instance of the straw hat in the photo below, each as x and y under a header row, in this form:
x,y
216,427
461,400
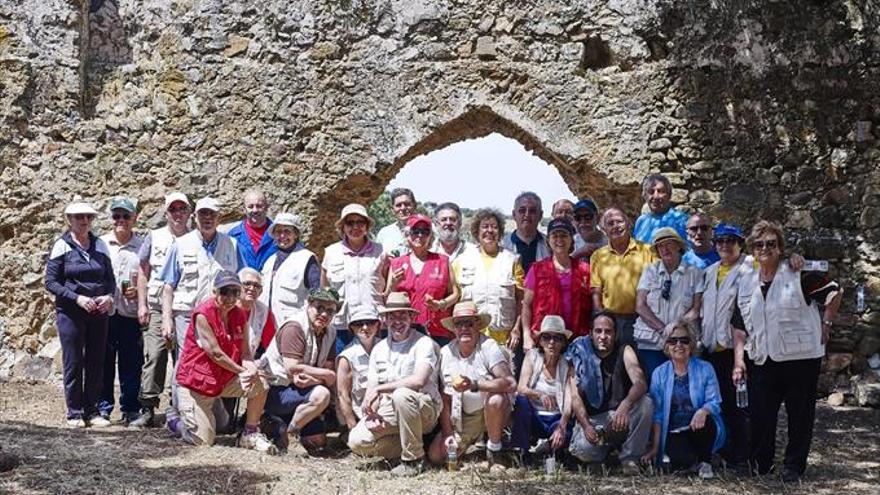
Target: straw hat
x,y
664,234
466,309
553,324
354,209
397,301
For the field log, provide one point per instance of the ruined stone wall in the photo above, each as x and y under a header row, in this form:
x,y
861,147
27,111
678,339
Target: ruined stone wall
x,y
754,109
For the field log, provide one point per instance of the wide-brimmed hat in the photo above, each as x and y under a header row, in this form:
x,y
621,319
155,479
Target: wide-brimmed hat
x,y
397,301
174,197
553,324
354,209
664,234
79,207
466,309
363,312
289,219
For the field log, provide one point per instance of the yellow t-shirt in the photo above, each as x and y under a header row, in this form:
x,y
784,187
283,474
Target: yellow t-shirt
x,y
723,270
618,274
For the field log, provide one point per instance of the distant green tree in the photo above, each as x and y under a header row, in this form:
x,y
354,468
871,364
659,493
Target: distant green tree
x,y
381,212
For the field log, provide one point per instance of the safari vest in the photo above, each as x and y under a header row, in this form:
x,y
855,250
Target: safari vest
x,y
493,291
357,278
719,304
311,357
287,295
198,268
161,241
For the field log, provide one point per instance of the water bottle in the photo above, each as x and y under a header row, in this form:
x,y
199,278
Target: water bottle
x,y
600,432
860,298
742,394
550,464
452,454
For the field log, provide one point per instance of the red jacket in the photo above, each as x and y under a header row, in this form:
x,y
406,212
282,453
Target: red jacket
x,y
548,296
433,280
197,371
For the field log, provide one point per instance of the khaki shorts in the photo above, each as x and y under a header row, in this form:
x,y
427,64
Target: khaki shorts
x,y
473,427
196,410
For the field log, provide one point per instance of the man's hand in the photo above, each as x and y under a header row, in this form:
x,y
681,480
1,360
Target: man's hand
x,y
370,397
87,303
143,315
167,330
557,439
699,419
620,418
649,456
303,380
105,304
130,293
591,433
549,402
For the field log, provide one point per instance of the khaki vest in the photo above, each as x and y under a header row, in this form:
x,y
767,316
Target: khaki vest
x,y
161,241
359,362
311,357
198,268
357,279
286,293
719,303
494,292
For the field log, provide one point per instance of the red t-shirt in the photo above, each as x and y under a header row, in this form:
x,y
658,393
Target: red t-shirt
x,y
255,234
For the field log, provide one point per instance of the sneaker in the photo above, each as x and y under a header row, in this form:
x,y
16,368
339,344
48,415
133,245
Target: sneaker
x,y
129,417
145,420
76,423
99,422
257,441
174,426
704,471
542,448
407,469
630,467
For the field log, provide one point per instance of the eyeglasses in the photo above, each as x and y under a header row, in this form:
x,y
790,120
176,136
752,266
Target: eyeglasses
x,y
698,228
418,232
82,216
327,310
252,285
553,338
465,323
124,216
726,240
667,287
673,341
230,291
527,211
760,245
355,223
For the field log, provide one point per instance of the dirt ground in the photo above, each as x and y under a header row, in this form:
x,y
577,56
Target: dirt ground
x,y
57,460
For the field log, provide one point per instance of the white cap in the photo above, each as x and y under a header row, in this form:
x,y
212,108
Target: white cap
x,y
207,204
289,219
175,196
79,207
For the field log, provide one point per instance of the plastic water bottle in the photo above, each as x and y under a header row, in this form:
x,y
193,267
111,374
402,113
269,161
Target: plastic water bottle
x,y
742,394
452,454
550,464
860,298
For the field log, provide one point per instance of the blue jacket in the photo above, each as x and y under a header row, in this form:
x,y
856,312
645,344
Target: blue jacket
x,y
266,248
704,394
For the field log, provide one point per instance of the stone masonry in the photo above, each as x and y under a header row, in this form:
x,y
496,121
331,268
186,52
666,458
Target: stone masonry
x,y
755,109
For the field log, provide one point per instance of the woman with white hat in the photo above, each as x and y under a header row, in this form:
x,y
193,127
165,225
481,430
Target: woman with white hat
x,y
290,273
79,274
355,266
543,401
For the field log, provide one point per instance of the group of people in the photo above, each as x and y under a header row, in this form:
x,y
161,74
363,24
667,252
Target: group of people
x,y
595,338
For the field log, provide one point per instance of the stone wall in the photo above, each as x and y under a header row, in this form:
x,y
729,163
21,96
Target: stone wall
x,y
754,109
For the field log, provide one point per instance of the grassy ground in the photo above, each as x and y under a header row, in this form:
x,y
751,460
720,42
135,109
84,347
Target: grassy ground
x,y
57,460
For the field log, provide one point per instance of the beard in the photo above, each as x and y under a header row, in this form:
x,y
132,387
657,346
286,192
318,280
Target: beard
x,y
449,236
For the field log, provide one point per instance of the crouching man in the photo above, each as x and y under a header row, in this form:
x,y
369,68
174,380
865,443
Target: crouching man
x,y
301,362
402,401
216,362
611,407
477,387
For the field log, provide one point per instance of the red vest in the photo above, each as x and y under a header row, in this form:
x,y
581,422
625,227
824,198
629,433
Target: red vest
x,y
197,371
548,295
433,280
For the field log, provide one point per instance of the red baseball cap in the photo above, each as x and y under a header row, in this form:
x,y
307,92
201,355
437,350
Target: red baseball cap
x,y
414,220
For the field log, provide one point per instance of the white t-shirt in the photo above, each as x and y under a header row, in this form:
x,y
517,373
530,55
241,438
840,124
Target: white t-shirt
x,y
391,361
478,365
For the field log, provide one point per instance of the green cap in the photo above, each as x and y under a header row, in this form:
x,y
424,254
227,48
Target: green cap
x,y
120,202
328,294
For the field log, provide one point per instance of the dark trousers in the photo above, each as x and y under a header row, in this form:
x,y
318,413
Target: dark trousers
x,y
125,351
689,447
736,420
771,384
529,425
283,401
83,343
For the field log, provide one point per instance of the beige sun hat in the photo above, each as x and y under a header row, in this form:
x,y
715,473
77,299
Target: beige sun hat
x,y
288,219
466,309
397,301
553,324
354,209
664,234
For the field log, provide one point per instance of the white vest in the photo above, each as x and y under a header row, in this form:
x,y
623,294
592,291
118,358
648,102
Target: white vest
x,y
359,362
198,268
286,293
255,325
719,304
358,279
781,325
494,292
161,241
311,356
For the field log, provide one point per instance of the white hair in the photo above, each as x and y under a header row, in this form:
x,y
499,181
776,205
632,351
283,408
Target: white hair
x,y
249,271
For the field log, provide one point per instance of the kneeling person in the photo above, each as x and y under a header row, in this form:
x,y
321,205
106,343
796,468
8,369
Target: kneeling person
x,y
301,364
611,407
477,386
216,362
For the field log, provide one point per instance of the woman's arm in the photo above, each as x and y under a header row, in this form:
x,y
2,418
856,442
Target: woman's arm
x,y
526,319
343,392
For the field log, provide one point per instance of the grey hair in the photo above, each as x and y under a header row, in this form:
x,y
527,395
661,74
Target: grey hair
x,y
691,330
528,195
651,179
249,271
447,206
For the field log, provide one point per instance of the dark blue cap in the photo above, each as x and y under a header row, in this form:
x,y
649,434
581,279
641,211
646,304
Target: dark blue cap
x,y
560,223
728,230
225,279
586,203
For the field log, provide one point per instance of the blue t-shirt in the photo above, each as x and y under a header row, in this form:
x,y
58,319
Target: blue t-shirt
x,y
701,261
647,223
681,410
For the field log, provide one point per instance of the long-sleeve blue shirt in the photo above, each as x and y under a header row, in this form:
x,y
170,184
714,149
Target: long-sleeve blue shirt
x,y
72,271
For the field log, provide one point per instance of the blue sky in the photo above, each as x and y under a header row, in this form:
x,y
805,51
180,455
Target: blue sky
x,y
488,171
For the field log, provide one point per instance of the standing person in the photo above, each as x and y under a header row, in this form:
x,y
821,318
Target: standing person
x,y
492,277
124,339
589,238
252,233
701,250
611,396
402,401
215,362
301,362
153,254
787,316
563,209
526,240
353,363
657,193
615,271
687,407
79,273
447,219
477,387
290,273
426,278
355,267
669,291
558,285
392,237
260,320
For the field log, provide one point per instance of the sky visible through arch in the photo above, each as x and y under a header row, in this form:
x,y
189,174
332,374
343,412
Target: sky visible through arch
x,y
488,171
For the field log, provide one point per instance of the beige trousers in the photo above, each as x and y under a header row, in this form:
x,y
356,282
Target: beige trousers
x,y
408,415
196,410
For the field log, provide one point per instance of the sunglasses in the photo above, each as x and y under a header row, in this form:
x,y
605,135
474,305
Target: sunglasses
x,y
667,287
359,325
759,245
230,291
418,232
673,341
553,338
726,240
327,310
698,228
124,216
252,285
179,209
465,323
581,218
355,223
82,216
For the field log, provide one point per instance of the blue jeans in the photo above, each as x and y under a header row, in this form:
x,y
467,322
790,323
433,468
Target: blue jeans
x,y
528,424
650,361
282,403
125,342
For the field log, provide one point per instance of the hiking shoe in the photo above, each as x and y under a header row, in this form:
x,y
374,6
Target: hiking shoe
x,y
704,471
542,448
257,441
76,423
99,421
408,469
630,467
145,420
